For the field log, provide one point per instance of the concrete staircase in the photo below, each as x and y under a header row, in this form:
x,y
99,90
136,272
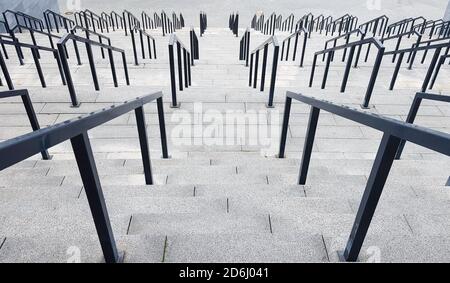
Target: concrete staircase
x,y
216,201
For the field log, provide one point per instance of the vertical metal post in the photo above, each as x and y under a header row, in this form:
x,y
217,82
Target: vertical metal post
x,y
255,78
180,68
264,67
430,71
373,78
250,71
91,182
375,184
327,68
172,77
397,68
6,73
309,143
273,78
313,69
185,65
410,119
33,120
134,47
143,141
284,129
347,68
92,65
67,75
113,68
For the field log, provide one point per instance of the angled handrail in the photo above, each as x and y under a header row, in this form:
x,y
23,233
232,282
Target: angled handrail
x,y
344,24
437,69
150,40
59,21
116,20
287,42
413,112
28,20
253,70
34,51
393,132
405,25
270,25
234,24
195,50
352,45
437,47
203,23
20,148
376,26
147,21
244,47
288,24
346,36
184,69
89,43
31,114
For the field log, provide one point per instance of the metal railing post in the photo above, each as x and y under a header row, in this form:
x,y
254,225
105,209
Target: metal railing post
x,y
92,65
67,75
172,78
273,79
143,141
309,143
285,127
373,78
33,119
162,128
92,187
377,179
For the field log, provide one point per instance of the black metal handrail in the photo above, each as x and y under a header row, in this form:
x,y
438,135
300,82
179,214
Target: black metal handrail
x,y
195,50
376,26
170,26
102,23
59,21
270,25
306,22
253,76
88,19
147,21
244,47
257,22
288,24
89,43
346,36
401,52
203,23
415,108
343,24
437,69
116,20
412,55
31,114
28,21
184,69
150,40
34,51
405,25
287,42
18,149
393,132
233,24
352,46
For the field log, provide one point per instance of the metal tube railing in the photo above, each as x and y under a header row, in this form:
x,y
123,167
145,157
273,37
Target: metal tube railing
x,y
287,44
352,46
18,149
253,70
184,68
244,47
393,132
89,43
